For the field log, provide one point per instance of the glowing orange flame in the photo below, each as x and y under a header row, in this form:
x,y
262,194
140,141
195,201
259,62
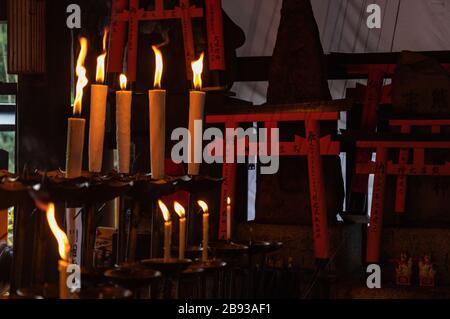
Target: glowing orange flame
x,y
123,81
197,68
203,205
179,209
82,80
164,210
158,67
228,201
100,72
61,237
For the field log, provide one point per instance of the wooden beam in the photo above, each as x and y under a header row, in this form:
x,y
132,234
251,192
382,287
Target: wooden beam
x,y
339,65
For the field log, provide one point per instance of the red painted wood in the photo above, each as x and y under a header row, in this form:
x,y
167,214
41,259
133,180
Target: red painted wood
x,y
228,188
280,117
400,196
214,25
312,146
317,191
185,12
376,215
117,38
369,121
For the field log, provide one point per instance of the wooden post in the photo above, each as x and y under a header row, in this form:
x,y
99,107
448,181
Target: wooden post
x,y
317,191
229,184
376,215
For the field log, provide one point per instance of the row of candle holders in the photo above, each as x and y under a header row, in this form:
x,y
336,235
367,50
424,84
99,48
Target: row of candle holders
x,y
230,274
149,278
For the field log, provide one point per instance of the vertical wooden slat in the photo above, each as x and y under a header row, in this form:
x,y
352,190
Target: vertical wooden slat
x,y
26,36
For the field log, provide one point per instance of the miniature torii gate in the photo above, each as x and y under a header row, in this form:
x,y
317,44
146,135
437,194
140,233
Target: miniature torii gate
x,y
184,12
382,167
405,128
312,145
372,96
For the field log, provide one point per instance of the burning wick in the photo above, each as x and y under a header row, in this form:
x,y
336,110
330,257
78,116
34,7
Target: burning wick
x,y
228,218
179,209
100,71
99,95
82,80
63,249
196,111
204,208
123,125
167,230
157,111
76,125
197,69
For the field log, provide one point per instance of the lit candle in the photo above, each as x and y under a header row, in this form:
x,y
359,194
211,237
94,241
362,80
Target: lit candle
x,y
99,94
123,125
63,249
167,230
76,125
179,209
204,207
157,111
196,110
228,218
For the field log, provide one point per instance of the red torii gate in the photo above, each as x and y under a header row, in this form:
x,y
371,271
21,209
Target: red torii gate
x,y
381,168
312,145
128,11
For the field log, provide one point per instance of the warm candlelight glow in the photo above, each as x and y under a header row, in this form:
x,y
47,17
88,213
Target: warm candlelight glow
x,y
61,237
203,205
197,68
100,73
158,67
179,209
164,210
81,74
228,201
123,81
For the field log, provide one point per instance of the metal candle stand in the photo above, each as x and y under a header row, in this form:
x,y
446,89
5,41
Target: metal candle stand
x,y
87,192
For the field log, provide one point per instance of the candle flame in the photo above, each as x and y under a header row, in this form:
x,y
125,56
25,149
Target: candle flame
x,y
82,80
197,68
164,210
100,72
123,81
203,205
228,201
158,67
61,237
179,209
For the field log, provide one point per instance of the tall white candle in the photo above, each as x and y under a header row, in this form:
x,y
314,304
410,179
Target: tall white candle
x,y
179,209
205,227
123,126
196,112
99,94
76,125
157,112
228,218
167,240
167,230
75,145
